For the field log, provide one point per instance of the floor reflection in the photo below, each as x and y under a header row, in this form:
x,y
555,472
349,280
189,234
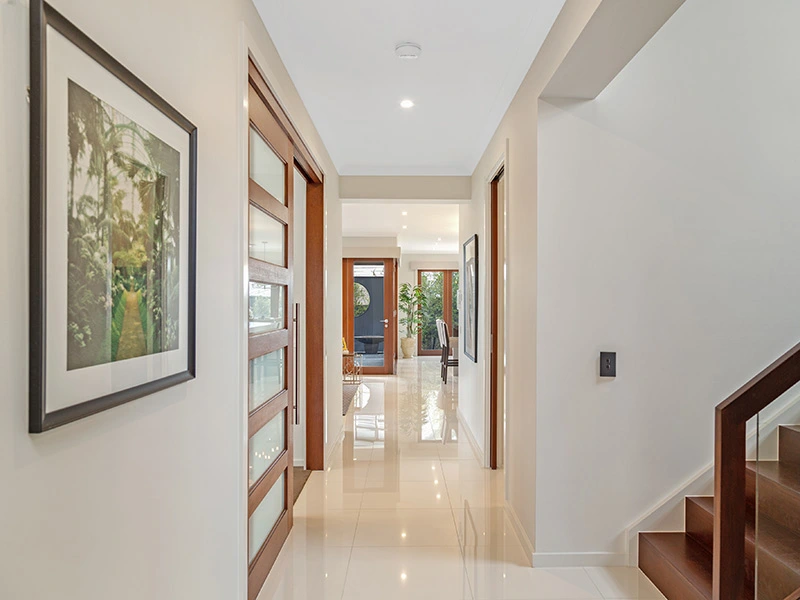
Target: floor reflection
x,y
405,510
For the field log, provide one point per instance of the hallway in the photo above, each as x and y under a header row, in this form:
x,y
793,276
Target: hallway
x,y
400,513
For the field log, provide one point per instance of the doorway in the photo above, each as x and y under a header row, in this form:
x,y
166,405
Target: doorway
x,y
441,293
370,313
497,379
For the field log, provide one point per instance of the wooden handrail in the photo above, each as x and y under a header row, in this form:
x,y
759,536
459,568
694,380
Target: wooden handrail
x,y
730,469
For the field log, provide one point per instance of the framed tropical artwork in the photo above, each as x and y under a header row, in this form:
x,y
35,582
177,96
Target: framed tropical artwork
x,y
470,334
113,231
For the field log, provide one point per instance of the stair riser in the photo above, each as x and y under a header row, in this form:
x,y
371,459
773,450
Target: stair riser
x,y
789,446
777,502
665,575
700,524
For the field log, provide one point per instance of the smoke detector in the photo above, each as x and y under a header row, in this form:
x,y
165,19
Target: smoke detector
x,y
408,50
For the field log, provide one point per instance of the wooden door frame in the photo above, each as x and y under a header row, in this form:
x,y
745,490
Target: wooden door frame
x,y
302,159
447,306
389,310
494,320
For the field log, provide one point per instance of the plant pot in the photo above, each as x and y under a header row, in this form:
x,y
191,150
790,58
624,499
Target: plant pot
x,y
407,346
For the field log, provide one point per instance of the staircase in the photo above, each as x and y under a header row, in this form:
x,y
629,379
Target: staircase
x,y
680,564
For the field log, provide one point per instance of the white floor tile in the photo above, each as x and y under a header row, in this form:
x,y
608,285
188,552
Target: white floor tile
x,y
406,573
319,496
407,494
465,495
469,470
333,528
505,574
426,527
487,526
429,470
623,583
298,575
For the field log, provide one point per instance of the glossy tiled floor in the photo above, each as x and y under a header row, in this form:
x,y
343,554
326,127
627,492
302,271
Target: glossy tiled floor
x,y
405,511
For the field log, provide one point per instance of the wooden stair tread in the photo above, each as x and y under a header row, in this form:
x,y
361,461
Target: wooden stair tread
x,y
679,566
773,538
785,475
686,556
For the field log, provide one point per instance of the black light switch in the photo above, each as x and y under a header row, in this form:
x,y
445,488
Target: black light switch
x,y
608,364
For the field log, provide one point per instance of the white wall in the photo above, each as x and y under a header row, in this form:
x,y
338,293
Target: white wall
x,y
472,399
407,189
668,211
145,500
514,143
333,313
370,247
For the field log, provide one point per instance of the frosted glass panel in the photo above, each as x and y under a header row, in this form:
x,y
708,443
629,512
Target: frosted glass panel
x,y
266,515
267,310
267,377
267,238
266,167
266,445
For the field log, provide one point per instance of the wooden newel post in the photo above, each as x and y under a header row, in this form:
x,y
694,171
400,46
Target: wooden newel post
x,y
729,505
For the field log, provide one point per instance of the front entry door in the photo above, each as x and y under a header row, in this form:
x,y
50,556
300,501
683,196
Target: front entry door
x,y
270,339
370,317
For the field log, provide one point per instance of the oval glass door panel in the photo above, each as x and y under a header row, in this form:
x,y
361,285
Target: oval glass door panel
x,y
266,167
267,238
266,446
264,518
267,377
267,307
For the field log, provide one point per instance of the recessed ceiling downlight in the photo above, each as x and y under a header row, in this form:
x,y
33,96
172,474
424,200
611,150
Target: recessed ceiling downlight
x,y
407,103
408,50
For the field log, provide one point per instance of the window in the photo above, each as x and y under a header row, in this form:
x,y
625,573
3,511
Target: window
x,y
441,292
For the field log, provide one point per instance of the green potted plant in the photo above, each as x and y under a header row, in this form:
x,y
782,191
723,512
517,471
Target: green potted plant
x,y
412,298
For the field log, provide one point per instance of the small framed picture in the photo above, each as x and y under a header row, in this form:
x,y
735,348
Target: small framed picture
x,y
113,230
471,298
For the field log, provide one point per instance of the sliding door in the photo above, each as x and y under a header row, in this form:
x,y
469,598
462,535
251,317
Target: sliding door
x,y
270,340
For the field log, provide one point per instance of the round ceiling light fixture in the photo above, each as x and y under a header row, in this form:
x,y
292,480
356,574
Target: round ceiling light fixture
x,y
407,103
407,50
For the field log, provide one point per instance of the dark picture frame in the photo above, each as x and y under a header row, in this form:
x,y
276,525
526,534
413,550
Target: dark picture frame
x,y
470,309
42,17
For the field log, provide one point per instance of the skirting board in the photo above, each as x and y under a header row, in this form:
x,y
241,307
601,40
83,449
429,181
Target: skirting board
x,y
332,448
669,513
522,535
579,559
464,428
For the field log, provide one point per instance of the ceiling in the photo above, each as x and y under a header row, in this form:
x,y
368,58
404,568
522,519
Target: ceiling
x,y
340,55
430,228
